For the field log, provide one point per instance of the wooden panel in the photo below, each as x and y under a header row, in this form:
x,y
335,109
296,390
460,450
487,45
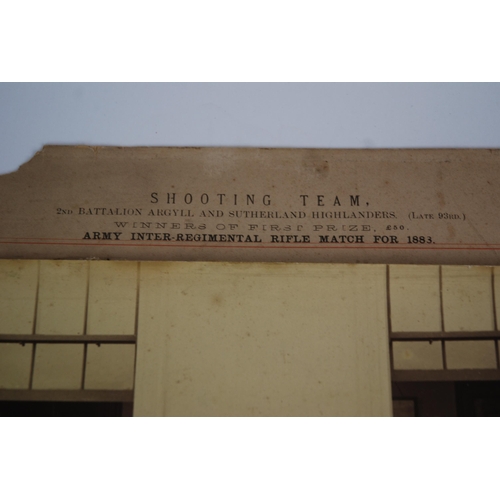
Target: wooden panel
x,y
496,275
61,311
467,298
110,367
262,339
445,375
73,339
15,366
58,366
470,354
18,285
65,395
62,297
475,335
111,311
415,301
417,355
112,298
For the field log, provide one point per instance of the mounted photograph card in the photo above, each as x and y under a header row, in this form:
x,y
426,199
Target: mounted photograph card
x,y
433,206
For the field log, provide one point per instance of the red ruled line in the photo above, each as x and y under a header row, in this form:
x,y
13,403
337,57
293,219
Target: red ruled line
x,y
290,246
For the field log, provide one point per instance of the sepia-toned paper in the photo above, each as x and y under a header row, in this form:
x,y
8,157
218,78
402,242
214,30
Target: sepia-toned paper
x,y
244,204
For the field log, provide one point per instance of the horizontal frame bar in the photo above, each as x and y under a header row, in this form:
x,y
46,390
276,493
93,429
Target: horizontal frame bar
x,y
67,339
66,395
444,375
407,336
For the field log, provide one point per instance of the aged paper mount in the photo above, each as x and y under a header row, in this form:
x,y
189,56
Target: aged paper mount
x,y
243,204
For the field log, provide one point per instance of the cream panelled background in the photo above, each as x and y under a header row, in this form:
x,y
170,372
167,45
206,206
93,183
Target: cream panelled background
x,y
241,339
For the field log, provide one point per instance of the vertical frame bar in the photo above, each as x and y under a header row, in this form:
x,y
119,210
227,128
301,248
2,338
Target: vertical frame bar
x,y
441,306
136,325
85,323
495,319
389,318
35,317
